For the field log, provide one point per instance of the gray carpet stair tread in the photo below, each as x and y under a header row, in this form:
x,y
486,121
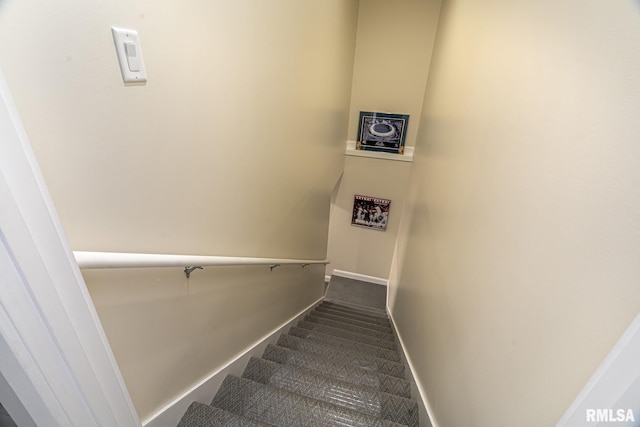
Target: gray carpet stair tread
x,y
365,360
352,336
331,390
347,324
201,415
365,327
363,315
356,292
348,317
373,316
341,365
358,309
339,368
375,320
344,343
362,311
283,408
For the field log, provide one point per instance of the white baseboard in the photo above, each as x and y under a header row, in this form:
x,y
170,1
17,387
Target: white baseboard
x,y
203,392
423,395
361,277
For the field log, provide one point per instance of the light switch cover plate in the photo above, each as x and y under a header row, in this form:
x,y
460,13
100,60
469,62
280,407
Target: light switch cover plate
x,y
130,57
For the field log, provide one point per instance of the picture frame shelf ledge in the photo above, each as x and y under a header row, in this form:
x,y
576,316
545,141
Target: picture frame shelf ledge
x,y
352,151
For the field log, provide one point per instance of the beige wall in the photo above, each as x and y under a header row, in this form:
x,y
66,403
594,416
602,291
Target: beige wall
x,y
241,123
521,264
169,333
393,53
231,148
363,250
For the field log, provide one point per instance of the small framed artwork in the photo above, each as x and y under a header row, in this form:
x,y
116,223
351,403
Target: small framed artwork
x,y
370,212
384,132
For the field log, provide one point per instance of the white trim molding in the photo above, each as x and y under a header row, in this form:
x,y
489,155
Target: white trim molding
x,y
416,381
350,150
614,386
55,361
361,277
204,391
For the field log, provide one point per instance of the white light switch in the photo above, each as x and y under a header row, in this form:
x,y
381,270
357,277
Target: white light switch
x,y
129,55
132,57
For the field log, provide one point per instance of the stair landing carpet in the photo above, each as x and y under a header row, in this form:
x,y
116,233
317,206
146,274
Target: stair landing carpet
x,y
339,366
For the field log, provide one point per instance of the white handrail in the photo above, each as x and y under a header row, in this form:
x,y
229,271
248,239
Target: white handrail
x,y
136,260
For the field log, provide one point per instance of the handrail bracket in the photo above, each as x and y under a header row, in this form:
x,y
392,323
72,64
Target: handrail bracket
x,y
188,270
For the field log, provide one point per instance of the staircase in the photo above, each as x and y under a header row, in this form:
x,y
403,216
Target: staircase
x,y
339,366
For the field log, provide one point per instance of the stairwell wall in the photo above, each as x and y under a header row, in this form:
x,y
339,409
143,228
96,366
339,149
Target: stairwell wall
x,y
232,147
516,269
392,57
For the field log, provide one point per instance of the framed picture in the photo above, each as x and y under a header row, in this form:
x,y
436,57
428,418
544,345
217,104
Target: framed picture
x,y
382,132
370,212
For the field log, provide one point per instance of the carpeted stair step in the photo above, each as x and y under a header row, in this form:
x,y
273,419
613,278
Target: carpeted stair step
x,y
350,324
341,365
201,415
354,357
352,336
354,320
353,317
280,407
344,343
373,314
375,320
365,317
359,309
331,390
339,368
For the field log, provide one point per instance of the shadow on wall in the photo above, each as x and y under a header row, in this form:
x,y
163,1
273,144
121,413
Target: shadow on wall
x,y
5,418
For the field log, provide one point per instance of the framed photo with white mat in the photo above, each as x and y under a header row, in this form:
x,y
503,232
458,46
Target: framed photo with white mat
x,y
370,212
385,132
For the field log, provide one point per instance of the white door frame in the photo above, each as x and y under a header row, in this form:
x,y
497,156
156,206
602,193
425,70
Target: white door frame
x,y
614,386
56,365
